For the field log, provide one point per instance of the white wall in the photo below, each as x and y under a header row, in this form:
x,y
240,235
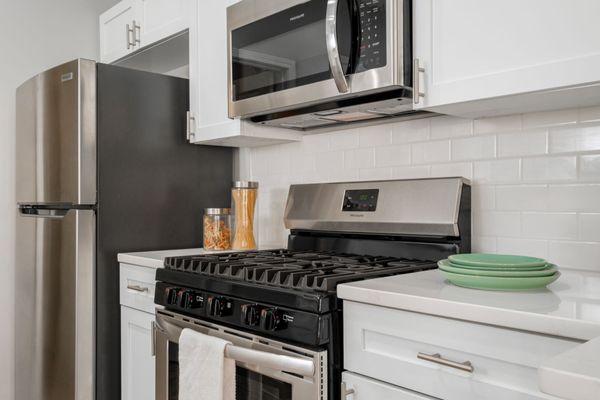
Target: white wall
x,y
536,177
34,35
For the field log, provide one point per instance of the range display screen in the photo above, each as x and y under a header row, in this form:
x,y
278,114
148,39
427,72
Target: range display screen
x,y
360,200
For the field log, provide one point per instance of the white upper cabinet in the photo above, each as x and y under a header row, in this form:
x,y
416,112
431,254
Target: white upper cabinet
x,y
210,122
475,53
116,31
134,24
160,19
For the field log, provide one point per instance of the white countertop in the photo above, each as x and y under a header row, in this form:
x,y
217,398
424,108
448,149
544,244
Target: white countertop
x,y
570,307
155,259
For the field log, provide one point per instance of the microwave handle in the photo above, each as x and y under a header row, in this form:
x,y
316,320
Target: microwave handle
x,y
333,53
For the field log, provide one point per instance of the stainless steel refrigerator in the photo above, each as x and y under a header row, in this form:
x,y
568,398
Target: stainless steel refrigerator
x,y
103,167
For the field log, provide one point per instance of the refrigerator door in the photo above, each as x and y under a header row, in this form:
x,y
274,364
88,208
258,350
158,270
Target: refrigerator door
x,y
56,136
55,291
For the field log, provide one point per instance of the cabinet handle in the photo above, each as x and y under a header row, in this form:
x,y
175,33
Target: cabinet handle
x,y
191,121
417,70
137,288
437,358
137,33
153,339
345,391
130,33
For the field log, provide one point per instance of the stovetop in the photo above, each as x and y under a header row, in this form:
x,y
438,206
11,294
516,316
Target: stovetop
x,y
307,271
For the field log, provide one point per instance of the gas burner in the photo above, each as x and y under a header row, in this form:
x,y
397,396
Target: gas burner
x,y
299,270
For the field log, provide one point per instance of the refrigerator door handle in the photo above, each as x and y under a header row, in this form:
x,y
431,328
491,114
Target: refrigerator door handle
x,y
43,212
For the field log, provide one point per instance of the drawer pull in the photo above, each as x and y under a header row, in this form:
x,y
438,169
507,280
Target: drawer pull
x,y
137,288
437,358
345,391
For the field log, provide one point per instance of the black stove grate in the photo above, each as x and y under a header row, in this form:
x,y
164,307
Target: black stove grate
x,y
301,270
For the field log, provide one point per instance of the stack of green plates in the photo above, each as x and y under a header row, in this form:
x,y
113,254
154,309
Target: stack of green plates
x,y
498,271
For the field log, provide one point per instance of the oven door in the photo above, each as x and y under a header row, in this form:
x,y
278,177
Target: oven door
x,y
286,54
265,369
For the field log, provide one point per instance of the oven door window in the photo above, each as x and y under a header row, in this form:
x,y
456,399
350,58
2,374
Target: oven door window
x,y
250,385
288,49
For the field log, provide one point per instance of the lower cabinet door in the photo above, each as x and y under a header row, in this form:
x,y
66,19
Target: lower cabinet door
x,y
137,361
360,387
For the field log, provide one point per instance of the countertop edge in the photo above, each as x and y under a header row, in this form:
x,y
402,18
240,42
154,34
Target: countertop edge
x,y
512,319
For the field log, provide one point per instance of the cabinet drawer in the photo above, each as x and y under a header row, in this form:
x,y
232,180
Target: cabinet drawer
x,y
369,389
385,343
137,287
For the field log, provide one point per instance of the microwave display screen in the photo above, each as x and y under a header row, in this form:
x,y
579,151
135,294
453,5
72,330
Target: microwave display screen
x,y
287,49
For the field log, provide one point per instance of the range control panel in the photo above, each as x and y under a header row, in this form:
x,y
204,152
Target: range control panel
x,y
296,325
372,52
363,200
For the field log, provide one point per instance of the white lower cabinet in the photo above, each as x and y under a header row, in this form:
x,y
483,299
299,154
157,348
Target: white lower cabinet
x,y
137,360
446,358
360,387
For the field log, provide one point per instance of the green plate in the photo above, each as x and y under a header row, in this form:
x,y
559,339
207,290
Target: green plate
x,y
445,265
538,268
496,260
500,283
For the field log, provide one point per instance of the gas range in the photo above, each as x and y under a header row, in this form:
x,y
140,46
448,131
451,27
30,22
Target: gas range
x,y
339,233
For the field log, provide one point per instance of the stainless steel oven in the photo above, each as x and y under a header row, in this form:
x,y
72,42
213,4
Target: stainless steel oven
x,y
265,369
308,63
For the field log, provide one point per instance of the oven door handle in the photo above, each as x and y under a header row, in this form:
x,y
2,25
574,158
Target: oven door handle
x,y
333,52
277,362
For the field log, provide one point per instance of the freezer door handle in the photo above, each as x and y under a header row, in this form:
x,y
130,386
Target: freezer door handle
x,y
27,211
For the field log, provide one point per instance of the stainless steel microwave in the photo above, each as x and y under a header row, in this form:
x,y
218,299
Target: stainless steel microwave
x,y
306,64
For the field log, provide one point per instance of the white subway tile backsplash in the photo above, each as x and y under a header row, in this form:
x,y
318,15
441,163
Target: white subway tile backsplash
x,y
581,198
575,139
499,171
431,152
474,148
423,171
544,169
535,177
450,127
550,225
522,197
589,227
374,136
498,124
589,167
496,223
359,158
523,247
391,156
522,143
579,255
411,131
550,118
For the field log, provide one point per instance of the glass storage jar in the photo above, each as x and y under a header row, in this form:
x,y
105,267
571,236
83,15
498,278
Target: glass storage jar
x,y
217,229
244,195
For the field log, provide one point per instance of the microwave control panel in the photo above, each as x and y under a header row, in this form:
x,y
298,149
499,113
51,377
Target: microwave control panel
x,y
372,52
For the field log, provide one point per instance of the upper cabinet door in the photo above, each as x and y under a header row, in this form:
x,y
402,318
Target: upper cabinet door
x,y
473,50
159,19
117,31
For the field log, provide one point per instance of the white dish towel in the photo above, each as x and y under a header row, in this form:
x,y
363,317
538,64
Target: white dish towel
x,y
204,371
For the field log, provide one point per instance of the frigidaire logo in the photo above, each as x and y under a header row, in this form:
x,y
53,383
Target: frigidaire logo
x,y
297,17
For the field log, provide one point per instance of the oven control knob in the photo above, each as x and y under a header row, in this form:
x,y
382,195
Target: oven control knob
x,y
171,295
271,319
251,314
219,306
190,299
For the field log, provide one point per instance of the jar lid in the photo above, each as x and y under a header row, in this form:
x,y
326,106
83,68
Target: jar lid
x,y
217,211
245,185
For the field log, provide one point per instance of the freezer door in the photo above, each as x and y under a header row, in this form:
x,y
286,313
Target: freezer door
x,y
56,136
54,304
